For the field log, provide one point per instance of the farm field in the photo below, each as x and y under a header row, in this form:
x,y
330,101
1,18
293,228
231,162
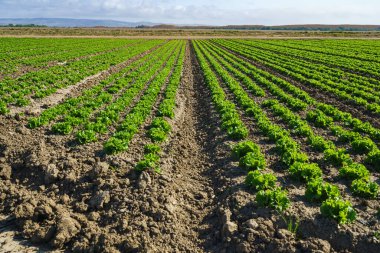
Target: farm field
x,y
202,145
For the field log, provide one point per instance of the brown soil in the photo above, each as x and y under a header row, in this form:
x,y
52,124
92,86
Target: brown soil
x,y
77,199
12,241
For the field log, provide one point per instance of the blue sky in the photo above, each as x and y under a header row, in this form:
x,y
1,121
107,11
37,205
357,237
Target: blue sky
x,y
222,12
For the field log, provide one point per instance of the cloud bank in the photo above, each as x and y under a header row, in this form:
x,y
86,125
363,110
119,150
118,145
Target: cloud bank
x,y
268,12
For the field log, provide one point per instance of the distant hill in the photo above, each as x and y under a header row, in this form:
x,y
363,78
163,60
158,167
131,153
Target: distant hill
x,y
311,27
69,22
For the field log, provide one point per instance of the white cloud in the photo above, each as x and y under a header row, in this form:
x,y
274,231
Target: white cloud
x,y
270,12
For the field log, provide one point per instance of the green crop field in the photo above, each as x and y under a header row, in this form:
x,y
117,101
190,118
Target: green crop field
x,y
202,145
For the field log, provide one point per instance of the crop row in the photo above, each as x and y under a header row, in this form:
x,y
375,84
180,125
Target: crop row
x,y
319,71
247,152
160,128
45,82
316,79
136,117
114,95
344,117
301,169
362,66
62,52
360,145
321,111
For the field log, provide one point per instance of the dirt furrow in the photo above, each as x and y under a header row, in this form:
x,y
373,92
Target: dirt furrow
x,y
185,163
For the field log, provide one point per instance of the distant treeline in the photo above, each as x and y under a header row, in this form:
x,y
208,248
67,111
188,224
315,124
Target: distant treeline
x,y
25,25
336,28
310,28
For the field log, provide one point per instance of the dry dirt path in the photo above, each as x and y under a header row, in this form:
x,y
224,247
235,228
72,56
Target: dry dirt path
x,y
187,162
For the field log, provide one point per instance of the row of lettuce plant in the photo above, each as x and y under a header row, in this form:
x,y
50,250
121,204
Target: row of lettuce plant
x,y
112,84
322,72
42,83
109,108
246,152
289,150
120,140
337,115
160,128
139,81
63,53
331,153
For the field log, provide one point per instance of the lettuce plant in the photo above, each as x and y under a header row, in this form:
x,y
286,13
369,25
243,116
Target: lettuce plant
x,y
354,171
273,198
252,161
243,148
305,171
259,181
318,190
339,210
365,189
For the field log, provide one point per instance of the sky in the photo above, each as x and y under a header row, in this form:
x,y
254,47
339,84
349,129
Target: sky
x,y
219,12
